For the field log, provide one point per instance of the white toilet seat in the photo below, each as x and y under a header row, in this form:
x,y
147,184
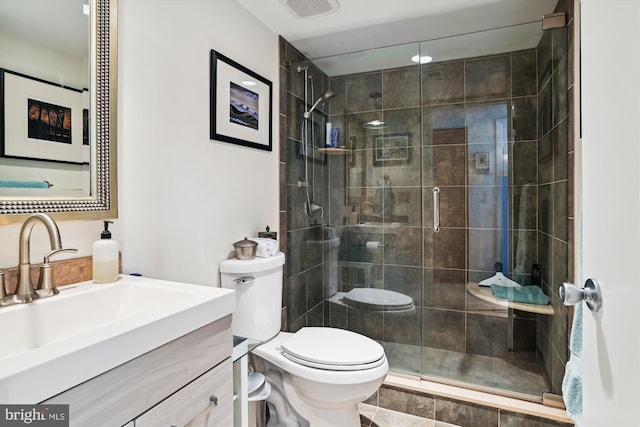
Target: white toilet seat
x,y
272,352
315,365
333,349
378,299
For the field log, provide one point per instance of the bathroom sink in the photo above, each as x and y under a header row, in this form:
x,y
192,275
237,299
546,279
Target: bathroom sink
x,y
52,344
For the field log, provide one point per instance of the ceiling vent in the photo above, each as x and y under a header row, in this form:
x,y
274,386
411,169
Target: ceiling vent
x,y
310,8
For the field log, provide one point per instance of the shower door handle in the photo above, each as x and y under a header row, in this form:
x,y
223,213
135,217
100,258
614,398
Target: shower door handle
x,y
436,209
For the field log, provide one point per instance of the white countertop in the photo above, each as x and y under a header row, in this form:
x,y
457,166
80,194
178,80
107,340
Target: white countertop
x,y
52,344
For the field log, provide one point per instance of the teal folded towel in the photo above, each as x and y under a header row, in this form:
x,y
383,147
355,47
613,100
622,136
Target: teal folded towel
x,y
526,294
24,184
575,340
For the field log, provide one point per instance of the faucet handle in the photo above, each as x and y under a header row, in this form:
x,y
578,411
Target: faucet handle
x,y
46,285
55,252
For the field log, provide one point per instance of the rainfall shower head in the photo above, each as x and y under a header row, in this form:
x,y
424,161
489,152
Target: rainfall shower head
x,y
325,97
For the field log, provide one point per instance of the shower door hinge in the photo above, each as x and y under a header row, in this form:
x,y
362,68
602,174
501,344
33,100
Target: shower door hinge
x,y
554,20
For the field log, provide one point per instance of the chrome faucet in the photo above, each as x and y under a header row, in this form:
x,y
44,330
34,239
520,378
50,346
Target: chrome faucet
x,y
25,291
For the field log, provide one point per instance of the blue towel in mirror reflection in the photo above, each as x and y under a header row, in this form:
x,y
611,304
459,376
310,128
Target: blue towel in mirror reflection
x,y
526,294
23,184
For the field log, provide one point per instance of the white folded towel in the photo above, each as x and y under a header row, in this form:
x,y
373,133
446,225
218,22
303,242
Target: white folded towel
x,y
266,247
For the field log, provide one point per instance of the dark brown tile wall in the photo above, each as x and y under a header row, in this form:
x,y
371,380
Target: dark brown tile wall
x,y
555,191
488,78
306,269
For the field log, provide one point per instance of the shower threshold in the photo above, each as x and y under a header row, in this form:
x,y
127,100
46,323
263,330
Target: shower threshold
x,y
411,383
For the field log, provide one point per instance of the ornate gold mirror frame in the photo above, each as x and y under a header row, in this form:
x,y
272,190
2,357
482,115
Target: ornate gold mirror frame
x,y
102,203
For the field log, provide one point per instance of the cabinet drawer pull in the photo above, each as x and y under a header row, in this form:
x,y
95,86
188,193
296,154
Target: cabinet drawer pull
x,y
213,402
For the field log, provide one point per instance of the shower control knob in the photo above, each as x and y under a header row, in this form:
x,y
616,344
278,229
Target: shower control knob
x,y
591,294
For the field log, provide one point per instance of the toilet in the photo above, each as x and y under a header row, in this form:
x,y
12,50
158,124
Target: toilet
x,y
385,301
318,375
363,296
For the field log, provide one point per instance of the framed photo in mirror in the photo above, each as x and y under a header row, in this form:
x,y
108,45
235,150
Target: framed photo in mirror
x,y
41,120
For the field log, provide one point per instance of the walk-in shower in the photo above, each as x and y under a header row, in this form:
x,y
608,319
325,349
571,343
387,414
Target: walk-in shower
x,y
490,130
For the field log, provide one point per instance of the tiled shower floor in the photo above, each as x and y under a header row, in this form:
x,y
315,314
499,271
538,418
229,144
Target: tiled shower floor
x,y
511,376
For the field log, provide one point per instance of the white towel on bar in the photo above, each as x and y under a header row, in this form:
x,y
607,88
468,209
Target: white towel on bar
x,y
266,247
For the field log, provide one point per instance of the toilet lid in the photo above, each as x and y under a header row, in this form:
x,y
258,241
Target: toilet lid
x,y
333,349
377,299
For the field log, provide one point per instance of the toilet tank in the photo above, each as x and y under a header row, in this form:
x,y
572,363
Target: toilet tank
x,y
258,286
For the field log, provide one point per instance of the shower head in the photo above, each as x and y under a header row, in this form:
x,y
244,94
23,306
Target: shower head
x,y
325,97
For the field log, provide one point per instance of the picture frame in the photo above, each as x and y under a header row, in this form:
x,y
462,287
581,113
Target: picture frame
x,y
41,120
391,149
482,161
240,104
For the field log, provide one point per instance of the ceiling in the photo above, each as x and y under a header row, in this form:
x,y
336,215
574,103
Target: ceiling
x,y
354,27
360,25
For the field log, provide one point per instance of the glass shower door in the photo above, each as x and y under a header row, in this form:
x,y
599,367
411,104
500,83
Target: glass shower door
x,y
381,251
490,133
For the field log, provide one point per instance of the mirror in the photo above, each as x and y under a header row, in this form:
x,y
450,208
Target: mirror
x,y
58,113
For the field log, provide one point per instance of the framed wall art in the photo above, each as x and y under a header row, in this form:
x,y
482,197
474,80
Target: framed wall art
x,y
241,102
482,161
391,149
40,120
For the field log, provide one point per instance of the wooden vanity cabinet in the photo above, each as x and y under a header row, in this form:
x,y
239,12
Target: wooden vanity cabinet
x,y
205,402
186,382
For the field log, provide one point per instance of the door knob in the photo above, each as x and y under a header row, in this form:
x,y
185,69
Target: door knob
x,y
591,294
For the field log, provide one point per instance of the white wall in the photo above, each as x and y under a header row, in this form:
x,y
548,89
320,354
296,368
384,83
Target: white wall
x,y
33,59
183,198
